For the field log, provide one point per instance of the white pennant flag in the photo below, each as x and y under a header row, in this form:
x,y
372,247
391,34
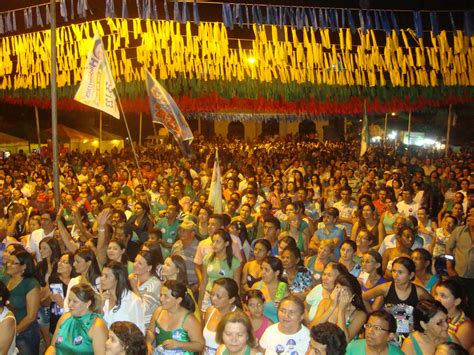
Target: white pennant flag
x,y
97,84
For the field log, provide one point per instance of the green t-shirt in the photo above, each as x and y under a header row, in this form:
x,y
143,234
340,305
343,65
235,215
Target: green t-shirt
x,y
217,269
18,297
357,347
169,231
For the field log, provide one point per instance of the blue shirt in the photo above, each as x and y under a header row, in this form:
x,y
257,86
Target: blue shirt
x,y
334,233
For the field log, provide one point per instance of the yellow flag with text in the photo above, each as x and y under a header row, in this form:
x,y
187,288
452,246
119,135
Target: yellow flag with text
x,y
97,84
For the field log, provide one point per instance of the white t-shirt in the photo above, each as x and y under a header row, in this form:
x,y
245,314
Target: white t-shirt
x,y
131,310
35,239
275,342
390,241
346,211
408,209
313,298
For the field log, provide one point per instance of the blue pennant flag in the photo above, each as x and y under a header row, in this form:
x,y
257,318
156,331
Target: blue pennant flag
x,y
164,111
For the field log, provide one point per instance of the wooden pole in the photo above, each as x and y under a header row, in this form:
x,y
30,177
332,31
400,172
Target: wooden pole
x,y
448,131
100,131
409,126
140,131
38,136
385,130
345,129
54,108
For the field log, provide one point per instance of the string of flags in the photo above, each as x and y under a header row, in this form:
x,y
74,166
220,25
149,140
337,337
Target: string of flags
x,y
39,15
246,15
205,54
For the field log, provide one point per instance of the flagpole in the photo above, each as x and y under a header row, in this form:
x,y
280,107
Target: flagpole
x,y
54,108
100,131
409,126
345,129
448,132
38,135
133,146
140,131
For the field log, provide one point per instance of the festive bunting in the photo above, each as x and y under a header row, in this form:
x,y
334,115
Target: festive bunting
x,y
206,55
294,16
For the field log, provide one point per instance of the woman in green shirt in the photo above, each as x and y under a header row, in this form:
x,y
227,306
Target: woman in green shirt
x,y
220,263
236,335
24,300
81,330
173,326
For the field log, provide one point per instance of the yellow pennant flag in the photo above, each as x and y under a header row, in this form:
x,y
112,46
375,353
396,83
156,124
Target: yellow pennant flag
x,y
97,84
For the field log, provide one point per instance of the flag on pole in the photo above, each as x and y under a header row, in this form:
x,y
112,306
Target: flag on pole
x,y
97,84
164,110
215,191
364,136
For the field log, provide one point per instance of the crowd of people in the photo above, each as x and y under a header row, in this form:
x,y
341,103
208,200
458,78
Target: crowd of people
x,y
314,251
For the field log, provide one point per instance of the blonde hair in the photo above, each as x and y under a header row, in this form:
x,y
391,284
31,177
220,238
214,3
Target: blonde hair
x,y
329,243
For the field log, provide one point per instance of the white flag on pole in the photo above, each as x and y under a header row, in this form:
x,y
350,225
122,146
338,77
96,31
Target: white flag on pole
x,y
97,84
215,192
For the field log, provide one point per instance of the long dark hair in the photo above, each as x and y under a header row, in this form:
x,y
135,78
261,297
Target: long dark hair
x,y
275,265
123,284
456,290
424,311
350,281
179,290
228,249
180,264
151,259
93,272
426,255
42,266
122,246
26,259
4,294
296,253
241,231
378,259
406,262
232,289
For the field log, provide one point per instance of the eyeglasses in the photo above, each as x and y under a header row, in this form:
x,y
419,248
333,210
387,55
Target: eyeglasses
x,y
375,327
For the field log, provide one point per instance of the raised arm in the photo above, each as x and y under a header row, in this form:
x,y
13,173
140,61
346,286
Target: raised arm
x,y
102,235
66,237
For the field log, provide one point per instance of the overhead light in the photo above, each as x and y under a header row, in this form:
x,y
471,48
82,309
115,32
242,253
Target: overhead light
x,y
251,60
394,113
